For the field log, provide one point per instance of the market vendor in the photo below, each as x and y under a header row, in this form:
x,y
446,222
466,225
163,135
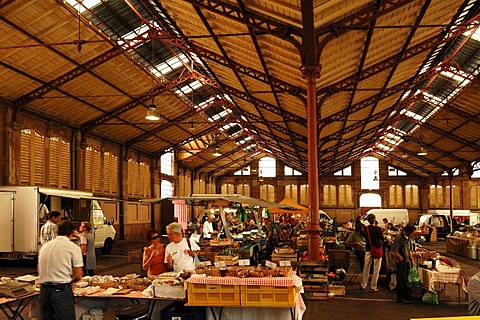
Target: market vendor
x,y
180,252
208,227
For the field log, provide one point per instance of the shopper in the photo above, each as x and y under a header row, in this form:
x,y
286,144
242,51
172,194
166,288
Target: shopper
x,y
402,251
90,263
208,227
270,232
49,230
58,260
180,252
357,241
154,255
473,289
374,238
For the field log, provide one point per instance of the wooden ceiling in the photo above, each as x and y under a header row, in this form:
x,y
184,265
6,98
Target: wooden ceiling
x,y
395,76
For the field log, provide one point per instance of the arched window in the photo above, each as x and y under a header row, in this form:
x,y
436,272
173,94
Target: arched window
x,y
59,163
370,178
243,189
395,196
291,192
475,197
267,192
166,189
345,195
228,188
267,167
329,195
166,163
32,158
93,169
455,196
304,195
370,200
436,196
411,196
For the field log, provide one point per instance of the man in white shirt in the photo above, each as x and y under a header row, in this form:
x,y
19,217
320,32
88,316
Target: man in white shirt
x,y
208,227
179,253
59,263
48,231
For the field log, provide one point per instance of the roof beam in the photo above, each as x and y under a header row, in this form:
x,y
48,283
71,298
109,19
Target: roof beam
x,y
252,19
184,76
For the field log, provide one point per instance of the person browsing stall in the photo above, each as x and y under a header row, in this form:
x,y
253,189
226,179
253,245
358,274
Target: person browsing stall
x,y
180,252
154,255
48,231
90,262
59,263
374,238
402,251
357,241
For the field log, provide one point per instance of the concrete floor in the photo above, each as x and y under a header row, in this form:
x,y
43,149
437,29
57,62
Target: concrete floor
x,y
356,304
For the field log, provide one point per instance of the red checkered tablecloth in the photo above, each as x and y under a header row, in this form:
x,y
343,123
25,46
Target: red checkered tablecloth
x,y
269,281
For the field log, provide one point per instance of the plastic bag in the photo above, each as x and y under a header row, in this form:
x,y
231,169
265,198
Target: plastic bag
x,y
197,260
413,278
393,282
430,297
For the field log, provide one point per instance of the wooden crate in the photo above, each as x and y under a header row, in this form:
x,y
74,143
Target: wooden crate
x,y
265,296
135,256
213,295
229,260
337,290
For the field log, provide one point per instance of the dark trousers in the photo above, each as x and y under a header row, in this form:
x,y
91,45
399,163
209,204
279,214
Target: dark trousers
x,y
360,257
403,291
56,301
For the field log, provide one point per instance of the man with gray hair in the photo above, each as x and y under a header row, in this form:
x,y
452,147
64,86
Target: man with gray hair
x,y
180,252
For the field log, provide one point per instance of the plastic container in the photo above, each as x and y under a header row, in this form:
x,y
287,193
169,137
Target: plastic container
x,y
472,252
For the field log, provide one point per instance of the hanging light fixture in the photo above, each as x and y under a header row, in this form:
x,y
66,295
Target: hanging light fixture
x,y
422,152
216,152
375,177
152,113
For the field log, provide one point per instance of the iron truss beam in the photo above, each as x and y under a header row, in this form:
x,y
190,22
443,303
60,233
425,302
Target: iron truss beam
x,y
165,125
286,142
189,139
434,149
139,100
254,20
225,166
446,134
386,64
4,3
278,84
82,69
275,126
362,18
262,104
465,115
222,157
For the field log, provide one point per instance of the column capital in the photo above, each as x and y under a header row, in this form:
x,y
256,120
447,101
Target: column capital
x,y
311,72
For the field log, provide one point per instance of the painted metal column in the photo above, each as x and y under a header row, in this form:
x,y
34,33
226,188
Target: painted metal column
x,y
311,73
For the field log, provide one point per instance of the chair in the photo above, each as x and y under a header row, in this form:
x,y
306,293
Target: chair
x,y
358,269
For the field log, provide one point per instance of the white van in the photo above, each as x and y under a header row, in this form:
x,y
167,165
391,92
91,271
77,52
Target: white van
x,y
395,216
464,215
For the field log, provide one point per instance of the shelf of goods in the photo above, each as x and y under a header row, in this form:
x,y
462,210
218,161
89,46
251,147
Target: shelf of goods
x,y
285,254
314,276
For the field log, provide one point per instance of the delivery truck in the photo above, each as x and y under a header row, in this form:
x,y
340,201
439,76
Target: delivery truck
x,y
23,211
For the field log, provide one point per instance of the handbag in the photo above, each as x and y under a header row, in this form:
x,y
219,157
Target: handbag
x,y
377,253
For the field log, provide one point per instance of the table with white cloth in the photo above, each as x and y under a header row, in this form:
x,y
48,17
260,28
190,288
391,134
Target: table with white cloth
x,y
436,280
247,312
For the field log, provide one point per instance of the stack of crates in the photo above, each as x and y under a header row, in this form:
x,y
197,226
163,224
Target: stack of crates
x,y
213,295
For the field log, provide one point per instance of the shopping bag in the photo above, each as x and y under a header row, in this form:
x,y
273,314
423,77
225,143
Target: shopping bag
x,y
376,252
430,297
413,278
393,282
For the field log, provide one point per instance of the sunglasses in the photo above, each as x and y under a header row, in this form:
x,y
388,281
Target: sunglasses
x,y
156,237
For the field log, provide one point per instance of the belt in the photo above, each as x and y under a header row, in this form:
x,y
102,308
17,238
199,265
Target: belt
x,y
54,284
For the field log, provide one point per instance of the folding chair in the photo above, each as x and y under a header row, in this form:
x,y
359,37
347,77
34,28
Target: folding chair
x,y
358,269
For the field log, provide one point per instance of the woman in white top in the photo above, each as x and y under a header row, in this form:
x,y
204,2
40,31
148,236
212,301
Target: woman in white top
x,y
208,227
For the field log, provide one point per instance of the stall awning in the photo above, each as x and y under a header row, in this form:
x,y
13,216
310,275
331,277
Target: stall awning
x,y
230,198
290,206
73,194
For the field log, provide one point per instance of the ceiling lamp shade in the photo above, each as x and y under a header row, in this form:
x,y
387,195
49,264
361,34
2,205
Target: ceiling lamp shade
x,y
216,152
152,113
192,127
422,152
